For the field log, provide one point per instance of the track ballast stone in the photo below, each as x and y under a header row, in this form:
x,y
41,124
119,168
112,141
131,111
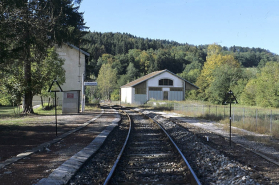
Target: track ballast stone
x,y
210,165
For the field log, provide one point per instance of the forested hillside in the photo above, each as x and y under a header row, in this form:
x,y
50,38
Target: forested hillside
x,y
213,68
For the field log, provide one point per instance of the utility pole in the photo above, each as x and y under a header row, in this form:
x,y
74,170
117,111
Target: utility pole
x,y
230,98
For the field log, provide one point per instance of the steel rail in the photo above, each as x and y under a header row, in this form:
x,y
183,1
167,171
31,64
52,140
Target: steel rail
x,y
194,179
120,154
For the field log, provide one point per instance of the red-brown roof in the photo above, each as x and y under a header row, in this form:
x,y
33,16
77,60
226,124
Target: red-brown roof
x,y
151,75
141,79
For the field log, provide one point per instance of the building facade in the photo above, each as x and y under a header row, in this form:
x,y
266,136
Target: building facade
x,y
159,85
74,65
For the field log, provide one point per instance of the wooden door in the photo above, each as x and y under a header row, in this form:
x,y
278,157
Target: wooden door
x,y
166,95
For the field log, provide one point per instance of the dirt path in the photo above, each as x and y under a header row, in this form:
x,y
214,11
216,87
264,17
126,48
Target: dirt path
x,y
17,138
39,165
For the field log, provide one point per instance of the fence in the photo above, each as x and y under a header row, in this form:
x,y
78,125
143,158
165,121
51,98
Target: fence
x,y
260,120
263,121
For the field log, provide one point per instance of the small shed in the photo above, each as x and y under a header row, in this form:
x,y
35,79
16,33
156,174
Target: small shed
x,y
159,85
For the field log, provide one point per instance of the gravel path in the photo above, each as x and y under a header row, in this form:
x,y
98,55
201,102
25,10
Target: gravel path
x,y
237,137
214,161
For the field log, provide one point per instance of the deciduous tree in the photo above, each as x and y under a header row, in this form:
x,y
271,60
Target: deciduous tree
x,y
106,80
214,60
33,27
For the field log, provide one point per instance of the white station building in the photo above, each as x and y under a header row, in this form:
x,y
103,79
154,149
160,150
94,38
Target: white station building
x,y
159,85
74,65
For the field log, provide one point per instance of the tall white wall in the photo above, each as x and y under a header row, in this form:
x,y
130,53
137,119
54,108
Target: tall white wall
x,y
126,95
74,66
154,82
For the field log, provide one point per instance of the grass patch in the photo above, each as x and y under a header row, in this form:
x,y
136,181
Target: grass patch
x,y
91,107
9,111
161,105
275,131
12,116
51,111
211,117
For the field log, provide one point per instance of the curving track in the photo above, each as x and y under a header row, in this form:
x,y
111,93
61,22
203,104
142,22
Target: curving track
x,y
150,157
138,166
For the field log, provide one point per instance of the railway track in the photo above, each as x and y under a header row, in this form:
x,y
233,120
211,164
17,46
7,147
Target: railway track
x,y
150,157
141,164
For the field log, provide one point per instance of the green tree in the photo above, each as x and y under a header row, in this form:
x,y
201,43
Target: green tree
x,y
34,27
115,95
106,80
214,61
248,96
132,72
45,72
226,78
264,90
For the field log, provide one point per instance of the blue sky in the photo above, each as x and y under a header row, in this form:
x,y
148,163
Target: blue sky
x,y
247,23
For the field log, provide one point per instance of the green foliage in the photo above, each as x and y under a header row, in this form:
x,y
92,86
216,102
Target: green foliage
x,y
147,55
28,29
264,89
214,69
44,72
115,95
219,74
132,73
225,78
106,80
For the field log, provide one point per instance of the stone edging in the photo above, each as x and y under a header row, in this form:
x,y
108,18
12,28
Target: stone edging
x,y
64,173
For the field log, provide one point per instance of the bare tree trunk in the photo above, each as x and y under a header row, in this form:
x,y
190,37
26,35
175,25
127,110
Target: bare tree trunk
x,y
28,96
42,102
48,101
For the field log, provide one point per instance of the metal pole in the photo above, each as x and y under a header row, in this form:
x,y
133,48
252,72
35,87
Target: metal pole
x,y
55,112
82,93
243,115
230,124
256,118
233,115
120,96
271,122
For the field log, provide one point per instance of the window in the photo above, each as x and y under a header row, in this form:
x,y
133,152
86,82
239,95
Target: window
x,y
166,82
176,89
140,90
155,88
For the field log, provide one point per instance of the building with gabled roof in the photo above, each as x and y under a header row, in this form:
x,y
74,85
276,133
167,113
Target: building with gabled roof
x,y
158,85
74,65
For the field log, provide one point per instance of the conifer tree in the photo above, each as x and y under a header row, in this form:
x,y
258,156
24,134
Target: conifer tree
x,y
29,28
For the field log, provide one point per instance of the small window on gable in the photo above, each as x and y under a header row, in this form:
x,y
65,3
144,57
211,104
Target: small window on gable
x,y
166,82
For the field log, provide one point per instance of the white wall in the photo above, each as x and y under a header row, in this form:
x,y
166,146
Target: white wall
x,y
154,82
126,95
70,102
74,68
